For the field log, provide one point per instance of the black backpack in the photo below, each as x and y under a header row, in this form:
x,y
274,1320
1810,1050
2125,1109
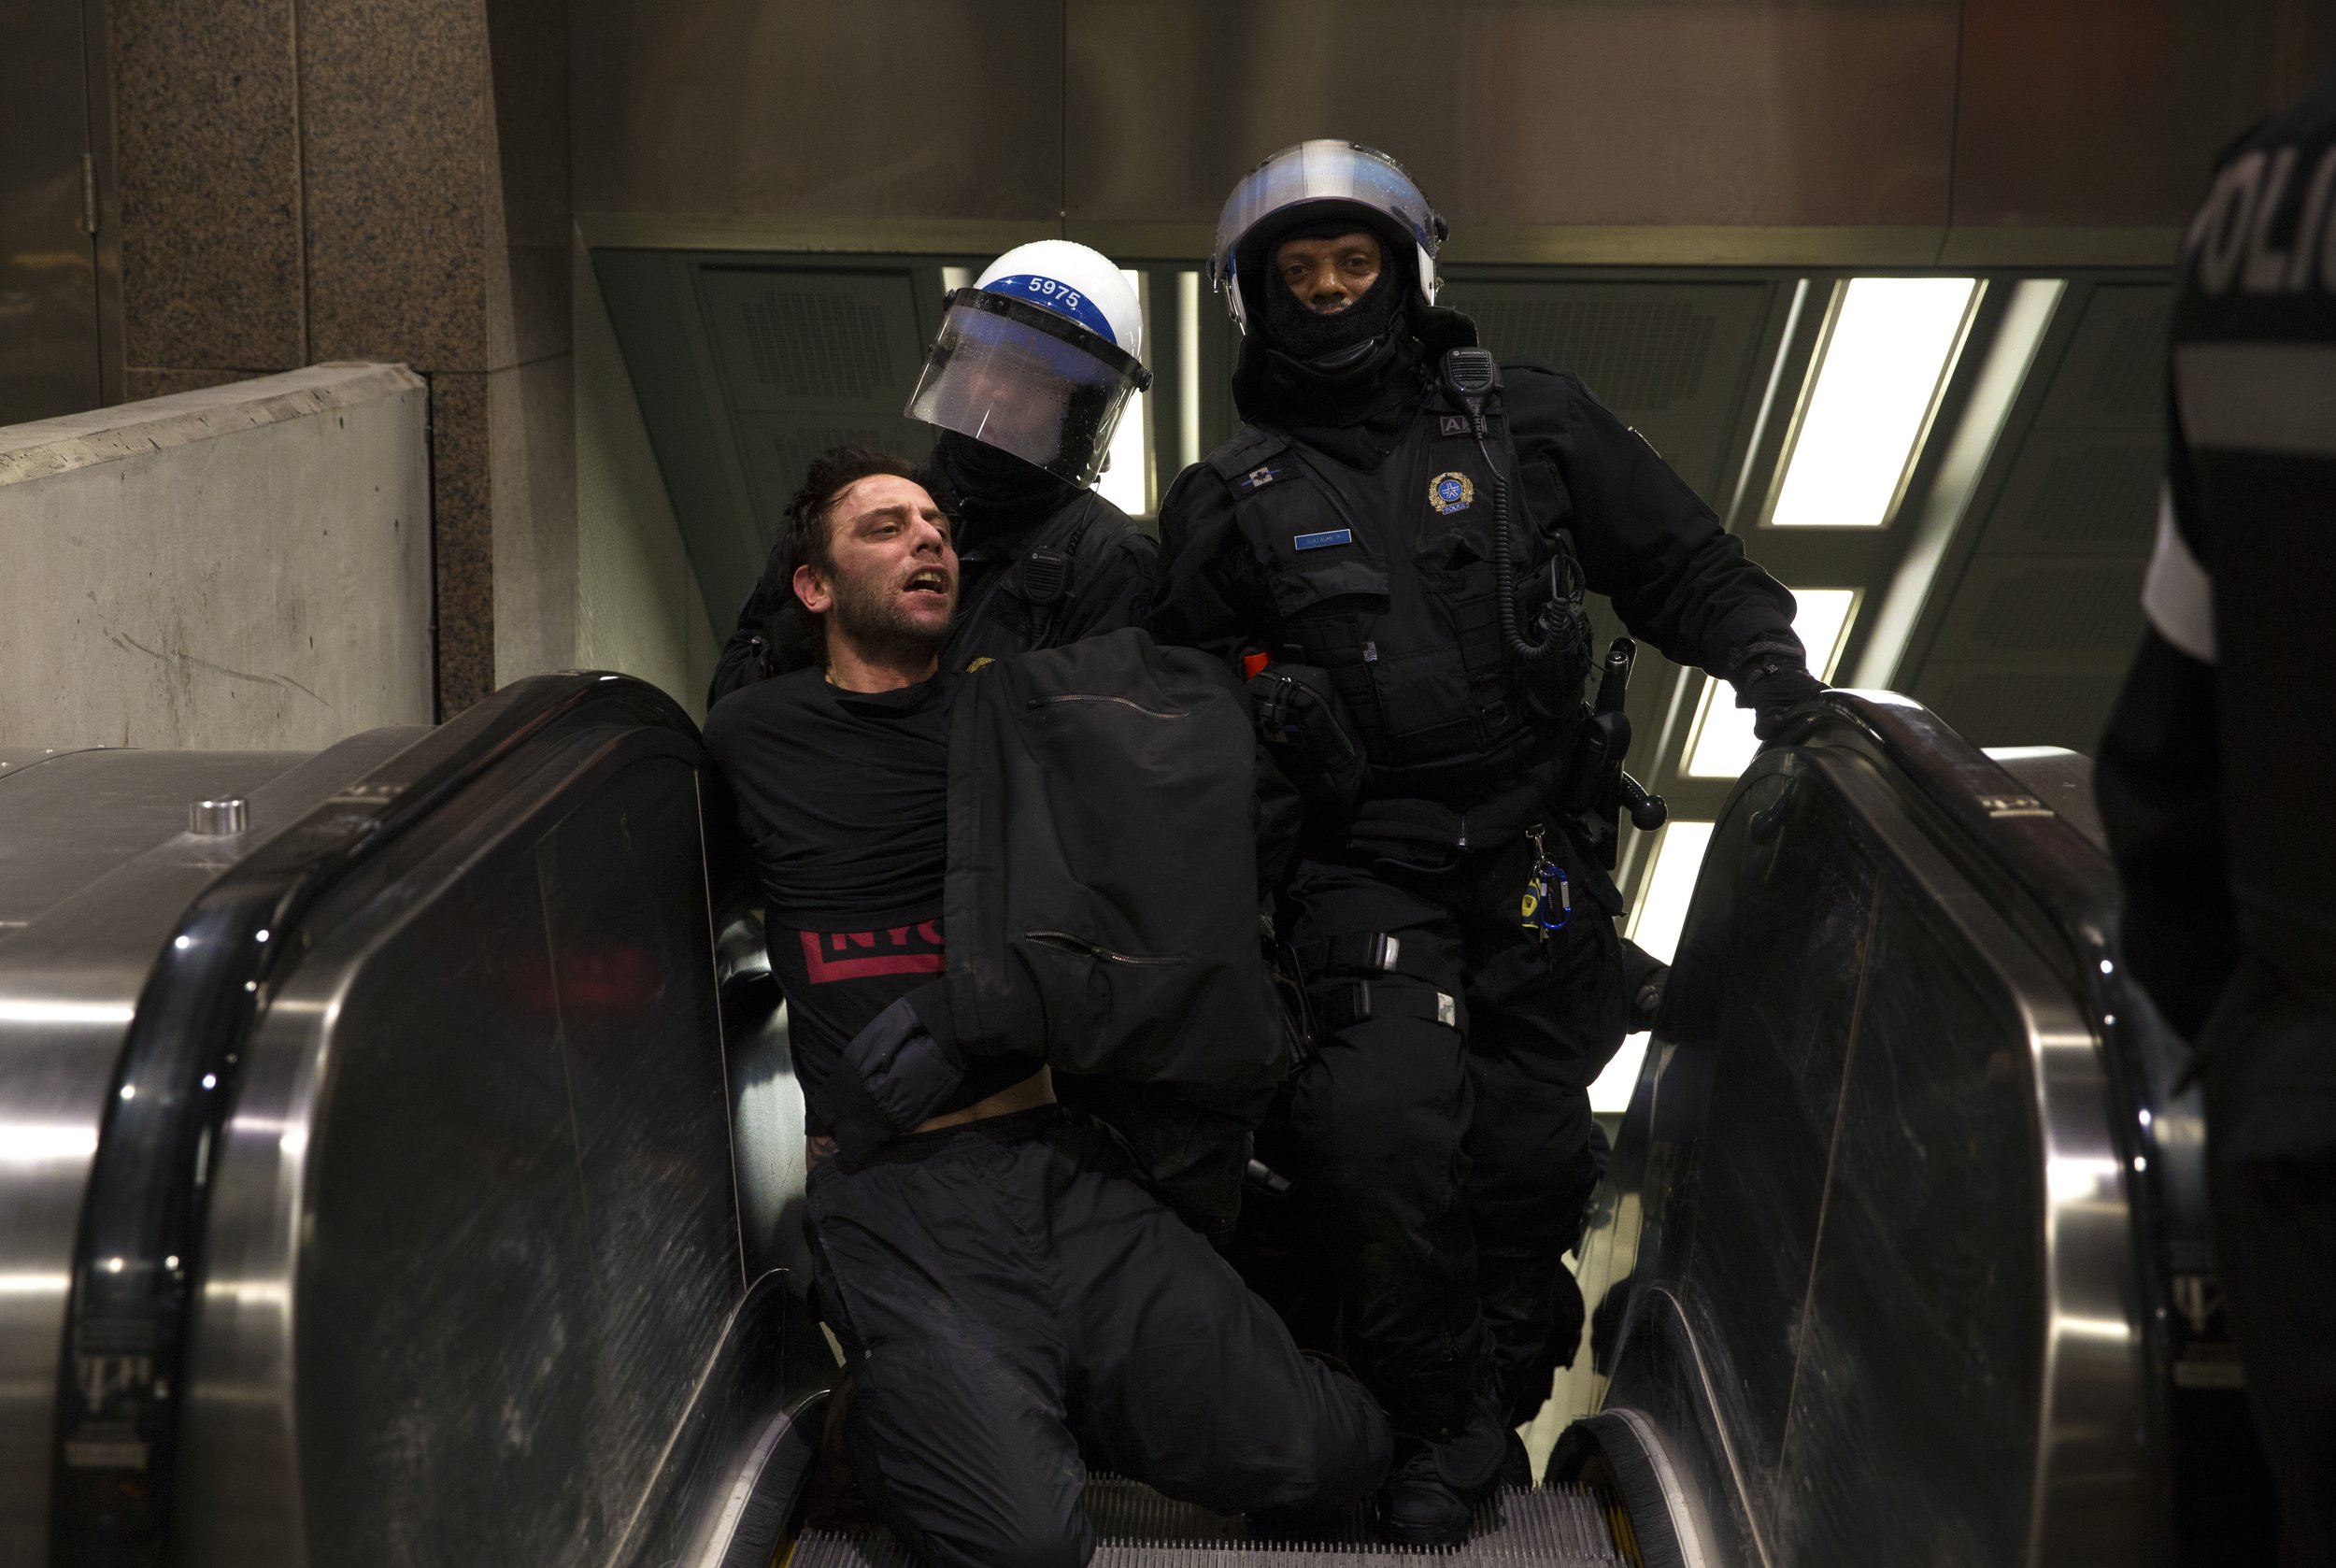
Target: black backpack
x,y
1101,901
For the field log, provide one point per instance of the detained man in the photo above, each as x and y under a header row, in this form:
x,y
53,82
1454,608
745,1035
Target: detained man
x,y
1009,1294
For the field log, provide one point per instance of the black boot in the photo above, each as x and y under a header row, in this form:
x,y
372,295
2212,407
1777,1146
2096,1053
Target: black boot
x,y
1433,1488
1418,1507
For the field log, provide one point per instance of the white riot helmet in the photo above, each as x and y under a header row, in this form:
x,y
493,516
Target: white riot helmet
x,y
1321,176
1038,358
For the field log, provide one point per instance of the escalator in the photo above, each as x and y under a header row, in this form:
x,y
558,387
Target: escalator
x,y
1902,1255
399,1164
368,1194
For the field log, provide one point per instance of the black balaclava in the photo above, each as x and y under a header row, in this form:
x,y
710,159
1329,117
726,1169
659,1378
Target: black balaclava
x,y
1335,344
1345,381
993,493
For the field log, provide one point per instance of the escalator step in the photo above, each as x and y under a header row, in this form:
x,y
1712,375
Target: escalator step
x,y
1137,1527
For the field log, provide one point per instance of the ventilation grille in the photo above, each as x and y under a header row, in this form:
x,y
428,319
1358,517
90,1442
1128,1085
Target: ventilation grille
x,y
2130,380
792,450
2101,495
779,449
816,344
1641,355
2059,610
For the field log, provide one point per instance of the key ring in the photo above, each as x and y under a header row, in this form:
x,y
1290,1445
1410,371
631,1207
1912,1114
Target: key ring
x,y
1547,906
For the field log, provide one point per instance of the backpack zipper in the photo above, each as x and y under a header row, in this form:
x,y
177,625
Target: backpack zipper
x,y
1123,702
1064,939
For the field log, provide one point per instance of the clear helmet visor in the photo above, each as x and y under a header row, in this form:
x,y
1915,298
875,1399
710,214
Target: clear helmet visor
x,y
1028,381
1325,171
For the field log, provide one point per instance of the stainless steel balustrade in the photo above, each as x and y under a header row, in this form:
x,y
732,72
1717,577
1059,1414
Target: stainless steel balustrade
x,y
468,1281
1865,1274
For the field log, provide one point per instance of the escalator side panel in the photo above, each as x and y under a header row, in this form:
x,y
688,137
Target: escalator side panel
x,y
106,870
1776,1028
1867,1165
474,1244
1919,1353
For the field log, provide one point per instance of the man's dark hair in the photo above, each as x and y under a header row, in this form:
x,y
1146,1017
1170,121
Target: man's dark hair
x,y
804,538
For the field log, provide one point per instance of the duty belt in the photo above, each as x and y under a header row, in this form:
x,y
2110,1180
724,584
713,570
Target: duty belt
x,y
1392,827
1367,952
1354,1000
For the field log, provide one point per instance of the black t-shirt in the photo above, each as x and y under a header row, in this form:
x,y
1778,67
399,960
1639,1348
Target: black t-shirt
x,y
844,797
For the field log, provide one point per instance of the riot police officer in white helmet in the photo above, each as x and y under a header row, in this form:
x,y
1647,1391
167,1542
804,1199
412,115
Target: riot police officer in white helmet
x,y
1026,382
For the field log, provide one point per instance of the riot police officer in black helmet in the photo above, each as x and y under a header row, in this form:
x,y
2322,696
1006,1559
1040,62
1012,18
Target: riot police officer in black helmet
x,y
1395,547
1025,422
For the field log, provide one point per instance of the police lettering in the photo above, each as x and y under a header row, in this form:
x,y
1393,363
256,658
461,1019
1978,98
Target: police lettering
x,y
2263,230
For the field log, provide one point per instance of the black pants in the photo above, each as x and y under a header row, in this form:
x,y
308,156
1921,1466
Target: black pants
x,y
1008,1294
2270,1060
1439,1173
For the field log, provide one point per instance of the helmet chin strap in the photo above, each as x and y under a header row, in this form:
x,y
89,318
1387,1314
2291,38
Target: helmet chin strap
x,y
1346,358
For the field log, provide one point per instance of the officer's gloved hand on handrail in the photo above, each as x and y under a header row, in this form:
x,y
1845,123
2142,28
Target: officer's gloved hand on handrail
x,y
1772,682
1306,728
893,1077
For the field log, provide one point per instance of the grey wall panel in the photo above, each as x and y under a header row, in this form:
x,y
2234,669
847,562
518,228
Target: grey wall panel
x,y
48,352
652,306
746,366
1697,112
1806,131
2108,112
878,109
2029,633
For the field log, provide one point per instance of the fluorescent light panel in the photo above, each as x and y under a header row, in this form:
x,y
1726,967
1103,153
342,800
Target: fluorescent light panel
x,y
1188,367
1884,363
1127,479
1724,744
1611,1092
1662,908
1662,914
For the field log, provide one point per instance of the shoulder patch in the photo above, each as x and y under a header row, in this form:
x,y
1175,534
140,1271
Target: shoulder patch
x,y
1262,475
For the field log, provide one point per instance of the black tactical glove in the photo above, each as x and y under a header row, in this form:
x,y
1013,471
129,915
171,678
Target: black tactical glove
x,y
1308,732
892,1076
1643,978
1772,680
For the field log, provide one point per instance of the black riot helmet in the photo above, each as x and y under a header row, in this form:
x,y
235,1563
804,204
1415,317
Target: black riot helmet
x,y
1314,184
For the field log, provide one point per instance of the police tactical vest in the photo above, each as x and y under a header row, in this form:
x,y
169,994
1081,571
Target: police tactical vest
x,y
1386,580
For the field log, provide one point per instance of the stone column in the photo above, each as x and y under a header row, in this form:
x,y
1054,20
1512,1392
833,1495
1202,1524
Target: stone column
x,y
309,180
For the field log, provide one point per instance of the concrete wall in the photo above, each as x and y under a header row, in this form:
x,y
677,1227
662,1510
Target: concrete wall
x,y
244,567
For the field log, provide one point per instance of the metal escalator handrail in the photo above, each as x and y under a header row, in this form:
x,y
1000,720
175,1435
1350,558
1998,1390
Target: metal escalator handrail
x,y
138,1258
1993,810
2047,878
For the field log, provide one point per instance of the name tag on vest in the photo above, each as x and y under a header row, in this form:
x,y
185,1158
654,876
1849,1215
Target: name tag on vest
x,y
1324,540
